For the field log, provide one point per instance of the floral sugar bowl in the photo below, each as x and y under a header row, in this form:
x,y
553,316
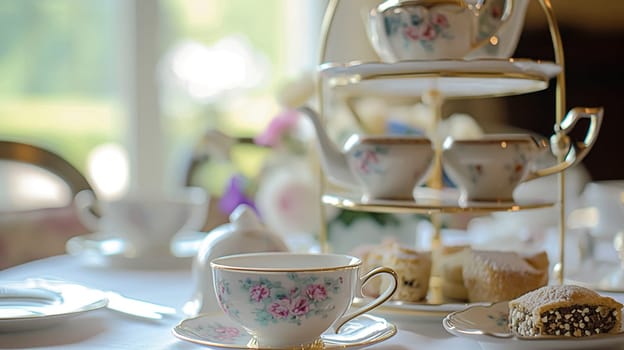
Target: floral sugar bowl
x,y
244,234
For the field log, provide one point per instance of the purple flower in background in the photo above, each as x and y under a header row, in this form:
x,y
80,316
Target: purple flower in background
x,y
278,126
235,195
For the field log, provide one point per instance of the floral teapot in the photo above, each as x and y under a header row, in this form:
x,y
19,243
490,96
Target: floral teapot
x,y
435,29
381,167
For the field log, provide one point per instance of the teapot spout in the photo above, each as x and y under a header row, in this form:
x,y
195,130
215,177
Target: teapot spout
x,y
333,161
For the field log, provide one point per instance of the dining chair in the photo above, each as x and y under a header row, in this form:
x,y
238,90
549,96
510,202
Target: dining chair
x,y
29,229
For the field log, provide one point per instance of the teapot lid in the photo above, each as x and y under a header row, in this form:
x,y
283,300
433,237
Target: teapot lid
x,y
245,218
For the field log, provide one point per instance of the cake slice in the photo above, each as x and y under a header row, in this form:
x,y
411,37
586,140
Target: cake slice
x,y
495,276
564,310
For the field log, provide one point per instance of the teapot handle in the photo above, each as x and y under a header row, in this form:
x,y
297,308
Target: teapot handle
x,y
560,142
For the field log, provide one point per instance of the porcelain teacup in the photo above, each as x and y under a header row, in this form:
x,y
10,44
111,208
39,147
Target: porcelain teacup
x,y
490,168
147,224
434,29
287,300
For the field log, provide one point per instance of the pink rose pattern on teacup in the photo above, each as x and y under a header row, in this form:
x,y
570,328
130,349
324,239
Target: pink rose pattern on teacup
x,y
424,27
274,303
514,170
368,160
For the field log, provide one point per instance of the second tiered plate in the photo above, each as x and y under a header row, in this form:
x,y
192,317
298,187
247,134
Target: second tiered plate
x,y
428,201
454,78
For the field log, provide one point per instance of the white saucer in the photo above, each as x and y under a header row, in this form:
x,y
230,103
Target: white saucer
x,y
454,78
110,250
489,326
218,331
35,303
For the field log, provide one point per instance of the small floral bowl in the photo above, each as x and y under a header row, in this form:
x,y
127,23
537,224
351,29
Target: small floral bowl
x,y
287,300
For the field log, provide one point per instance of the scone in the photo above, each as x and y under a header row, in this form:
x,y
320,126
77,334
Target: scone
x,y
413,269
564,310
372,257
494,276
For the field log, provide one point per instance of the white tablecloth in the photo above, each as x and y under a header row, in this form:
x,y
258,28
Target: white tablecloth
x,y
107,329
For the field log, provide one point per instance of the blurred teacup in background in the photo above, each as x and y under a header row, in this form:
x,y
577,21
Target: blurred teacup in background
x,y
146,224
602,211
601,214
288,300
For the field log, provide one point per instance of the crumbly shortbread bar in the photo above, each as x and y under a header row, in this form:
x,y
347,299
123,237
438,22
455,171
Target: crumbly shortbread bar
x,y
564,310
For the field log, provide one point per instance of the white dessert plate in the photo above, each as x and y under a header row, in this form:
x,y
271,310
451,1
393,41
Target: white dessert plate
x,y
489,326
35,303
218,331
454,78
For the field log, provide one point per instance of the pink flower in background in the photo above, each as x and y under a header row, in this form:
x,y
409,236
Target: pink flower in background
x,y
280,125
300,306
259,292
279,309
316,292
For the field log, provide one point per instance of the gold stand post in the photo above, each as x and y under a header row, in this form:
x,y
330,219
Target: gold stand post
x,y
433,99
560,106
328,20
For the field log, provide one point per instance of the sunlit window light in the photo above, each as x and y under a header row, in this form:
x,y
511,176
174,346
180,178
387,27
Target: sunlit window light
x,y
108,168
206,72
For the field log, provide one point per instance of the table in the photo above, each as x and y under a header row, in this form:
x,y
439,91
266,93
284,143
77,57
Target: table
x,y
107,329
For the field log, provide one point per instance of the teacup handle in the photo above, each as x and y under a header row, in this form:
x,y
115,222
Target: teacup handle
x,y
86,205
382,298
560,142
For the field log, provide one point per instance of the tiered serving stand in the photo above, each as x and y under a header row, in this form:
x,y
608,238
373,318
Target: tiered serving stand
x,y
433,82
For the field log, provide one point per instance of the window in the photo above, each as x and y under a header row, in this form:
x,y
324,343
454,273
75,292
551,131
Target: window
x,y
76,75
